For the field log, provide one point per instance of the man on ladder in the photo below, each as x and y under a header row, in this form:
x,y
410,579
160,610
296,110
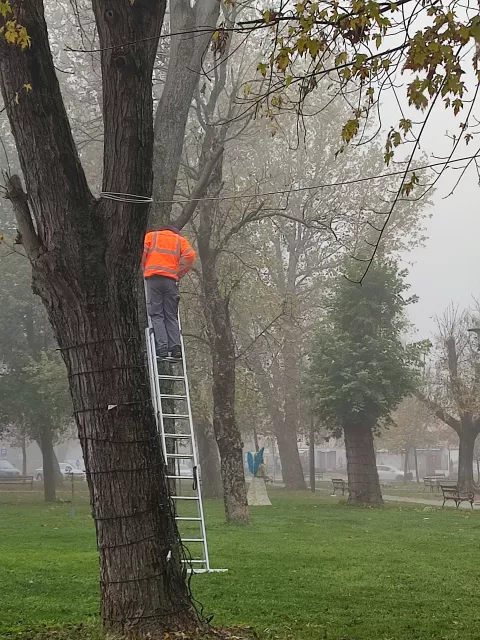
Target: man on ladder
x,y
167,257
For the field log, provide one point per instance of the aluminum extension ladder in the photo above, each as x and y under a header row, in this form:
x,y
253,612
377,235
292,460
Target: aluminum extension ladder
x,y
177,433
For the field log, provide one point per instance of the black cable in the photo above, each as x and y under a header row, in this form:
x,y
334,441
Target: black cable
x,y
124,368
85,344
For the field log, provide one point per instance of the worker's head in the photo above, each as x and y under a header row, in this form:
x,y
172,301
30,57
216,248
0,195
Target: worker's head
x,y
170,227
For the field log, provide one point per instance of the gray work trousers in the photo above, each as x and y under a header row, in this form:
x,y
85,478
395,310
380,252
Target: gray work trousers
x,y
162,307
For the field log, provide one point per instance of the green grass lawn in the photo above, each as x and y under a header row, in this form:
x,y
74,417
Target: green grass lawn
x,y
308,567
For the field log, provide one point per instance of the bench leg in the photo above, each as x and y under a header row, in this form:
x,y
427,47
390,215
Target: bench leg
x,y
444,500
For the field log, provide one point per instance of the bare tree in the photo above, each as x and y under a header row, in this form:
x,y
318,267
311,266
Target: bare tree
x,y
452,390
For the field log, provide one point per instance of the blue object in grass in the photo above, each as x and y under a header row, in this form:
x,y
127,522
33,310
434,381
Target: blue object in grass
x,y
250,462
254,462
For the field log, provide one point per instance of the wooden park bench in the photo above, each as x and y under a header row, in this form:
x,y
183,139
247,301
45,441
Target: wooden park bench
x,y
17,480
340,485
433,482
451,492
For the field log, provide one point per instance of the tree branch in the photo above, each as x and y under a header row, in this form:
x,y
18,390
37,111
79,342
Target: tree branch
x,y
28,236
439,412
184,69
200,188
35,112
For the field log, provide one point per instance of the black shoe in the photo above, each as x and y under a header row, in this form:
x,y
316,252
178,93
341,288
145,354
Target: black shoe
x,y
177,353
161,355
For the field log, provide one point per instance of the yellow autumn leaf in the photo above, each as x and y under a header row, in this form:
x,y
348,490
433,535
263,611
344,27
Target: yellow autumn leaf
x,y
5,8
23,39
283,60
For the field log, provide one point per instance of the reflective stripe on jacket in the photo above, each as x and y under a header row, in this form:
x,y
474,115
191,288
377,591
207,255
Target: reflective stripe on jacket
x,y
166,253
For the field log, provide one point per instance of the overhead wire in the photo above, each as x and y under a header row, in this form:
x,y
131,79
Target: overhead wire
x,y
323,185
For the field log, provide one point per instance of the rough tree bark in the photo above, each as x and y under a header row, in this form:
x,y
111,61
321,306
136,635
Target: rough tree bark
x,y
46,447
52,478
209,458
183,74
466,479
85,255
222,349
363,482
292,471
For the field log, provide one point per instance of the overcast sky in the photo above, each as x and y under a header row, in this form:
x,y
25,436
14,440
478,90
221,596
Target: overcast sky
x,y
447,269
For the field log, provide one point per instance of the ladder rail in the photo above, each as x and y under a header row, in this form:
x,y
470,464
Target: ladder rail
x,y
156,382
151,373
157,396
194,451
153,370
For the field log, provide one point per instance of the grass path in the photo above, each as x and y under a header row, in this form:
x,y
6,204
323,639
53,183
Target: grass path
x,y
308,567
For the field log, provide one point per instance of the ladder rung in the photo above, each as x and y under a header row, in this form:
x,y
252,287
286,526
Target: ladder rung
x,y
186,456
194,561
193,540
177,435
189,519
172,396
179,416
185,497
164,377
180,477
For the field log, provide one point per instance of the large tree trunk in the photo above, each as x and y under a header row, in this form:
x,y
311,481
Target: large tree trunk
x,y
466,481
49,462
225,426
294,477
85,255
292,471
363,483
209,459
222,348
140,567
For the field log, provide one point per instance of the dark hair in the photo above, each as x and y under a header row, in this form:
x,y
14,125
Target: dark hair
x,y
170,227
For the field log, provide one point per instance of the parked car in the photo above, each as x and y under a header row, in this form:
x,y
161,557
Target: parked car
x,y
386,472
338,471
66,469
8,470
77,464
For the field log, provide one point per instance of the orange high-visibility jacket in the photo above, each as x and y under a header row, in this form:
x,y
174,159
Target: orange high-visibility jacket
x,y
166,253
